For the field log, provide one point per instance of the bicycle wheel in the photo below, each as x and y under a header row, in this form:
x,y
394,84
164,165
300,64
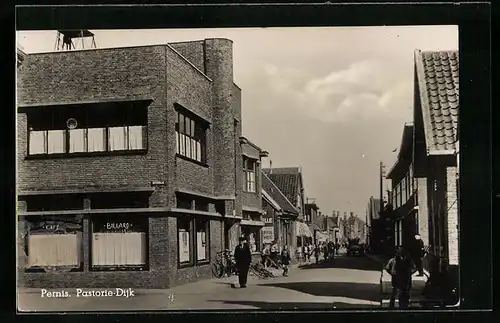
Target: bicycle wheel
x,y
217,270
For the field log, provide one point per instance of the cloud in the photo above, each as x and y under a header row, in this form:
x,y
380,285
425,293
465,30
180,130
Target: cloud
x,y
364,90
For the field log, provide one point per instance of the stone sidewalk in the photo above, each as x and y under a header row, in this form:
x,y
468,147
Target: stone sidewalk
x,y
182,297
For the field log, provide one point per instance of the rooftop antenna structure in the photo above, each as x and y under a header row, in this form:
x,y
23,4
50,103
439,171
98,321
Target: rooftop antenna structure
x,y
65,37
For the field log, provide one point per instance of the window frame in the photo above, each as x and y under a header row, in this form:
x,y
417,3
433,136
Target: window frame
x,y
118,218
248,173
32,219
193,241
51,124
190,131
198,222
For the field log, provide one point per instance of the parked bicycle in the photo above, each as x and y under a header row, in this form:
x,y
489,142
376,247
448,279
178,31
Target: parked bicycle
x,y
224,264
274,262
256,269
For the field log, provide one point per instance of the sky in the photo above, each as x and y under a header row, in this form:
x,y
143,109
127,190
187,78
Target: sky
x,y
330,100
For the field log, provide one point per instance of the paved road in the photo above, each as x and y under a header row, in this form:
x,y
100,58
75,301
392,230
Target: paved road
x,y
345,283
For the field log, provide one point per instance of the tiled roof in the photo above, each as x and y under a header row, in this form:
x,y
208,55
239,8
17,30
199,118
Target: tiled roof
x,y
438,83
405,149
287,180
270,187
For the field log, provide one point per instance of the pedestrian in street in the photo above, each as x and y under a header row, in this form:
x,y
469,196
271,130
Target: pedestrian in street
x,y
274,252
285,260
417,254
243,258
401,268
266,253
325,252
316,252
308,253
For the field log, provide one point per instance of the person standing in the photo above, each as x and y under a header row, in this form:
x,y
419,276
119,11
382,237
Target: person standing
x,y
417,253
316,252
401,268
243,258
285,260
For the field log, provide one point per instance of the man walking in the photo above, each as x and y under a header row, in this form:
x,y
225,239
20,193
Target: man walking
x,y
243,258
401,268
417,253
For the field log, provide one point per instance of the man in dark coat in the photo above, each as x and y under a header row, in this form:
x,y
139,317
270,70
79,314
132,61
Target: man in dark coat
x,y
417,253
401,268
243,258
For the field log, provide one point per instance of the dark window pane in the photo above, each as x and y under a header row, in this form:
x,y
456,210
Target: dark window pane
x,y
181,123
193,127
119,200
54,202
184,201
188,126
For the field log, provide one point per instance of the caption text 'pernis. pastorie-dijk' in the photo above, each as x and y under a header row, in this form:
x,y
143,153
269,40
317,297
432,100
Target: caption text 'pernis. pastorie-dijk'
x,y
78,292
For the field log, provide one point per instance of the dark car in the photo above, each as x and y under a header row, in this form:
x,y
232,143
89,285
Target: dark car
x,y
355,250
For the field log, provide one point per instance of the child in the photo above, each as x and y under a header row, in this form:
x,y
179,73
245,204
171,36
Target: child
x,y
285,260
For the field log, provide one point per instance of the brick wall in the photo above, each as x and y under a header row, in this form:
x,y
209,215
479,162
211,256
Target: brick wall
x,y
452,214
193,51
423,212
219,67
160,73
89,76
160,249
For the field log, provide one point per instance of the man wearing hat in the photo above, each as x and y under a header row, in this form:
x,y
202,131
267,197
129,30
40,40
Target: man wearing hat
x,y
243,258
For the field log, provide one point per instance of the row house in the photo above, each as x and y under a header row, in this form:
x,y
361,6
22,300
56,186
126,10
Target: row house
x,y
129,163
313,221
436,140
373,231
290,182
251,197
280,215
425,176
409,201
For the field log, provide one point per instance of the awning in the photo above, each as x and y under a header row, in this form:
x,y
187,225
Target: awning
x,y
303,230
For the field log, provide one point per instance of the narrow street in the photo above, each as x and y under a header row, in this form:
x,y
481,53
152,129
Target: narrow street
x,y
346,282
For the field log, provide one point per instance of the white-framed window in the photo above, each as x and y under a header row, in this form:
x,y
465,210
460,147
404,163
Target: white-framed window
x,y
250,170
190,136
202,249
119,242
118,127
193,234
54,241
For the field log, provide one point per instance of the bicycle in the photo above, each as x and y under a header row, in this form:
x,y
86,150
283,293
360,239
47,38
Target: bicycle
x,y
274,262
259,271
224,264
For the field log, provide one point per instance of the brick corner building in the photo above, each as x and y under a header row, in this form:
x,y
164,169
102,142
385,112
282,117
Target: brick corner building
x,y
128,164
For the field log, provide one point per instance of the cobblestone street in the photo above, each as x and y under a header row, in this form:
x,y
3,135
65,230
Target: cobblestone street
x,y
345,283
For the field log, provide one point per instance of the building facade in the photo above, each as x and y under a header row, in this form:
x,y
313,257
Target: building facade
x,y
128,164
409,202
283,212
436,138
251,196
290,182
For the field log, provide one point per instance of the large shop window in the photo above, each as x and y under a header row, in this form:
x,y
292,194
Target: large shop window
x,y
249,169
119,242
190,132
54,242
93,129
193,240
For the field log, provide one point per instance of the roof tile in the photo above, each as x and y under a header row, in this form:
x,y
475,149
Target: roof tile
x,y
441,78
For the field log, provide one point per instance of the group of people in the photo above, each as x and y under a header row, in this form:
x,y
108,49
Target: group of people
x,y
326,249
243,259
401,267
